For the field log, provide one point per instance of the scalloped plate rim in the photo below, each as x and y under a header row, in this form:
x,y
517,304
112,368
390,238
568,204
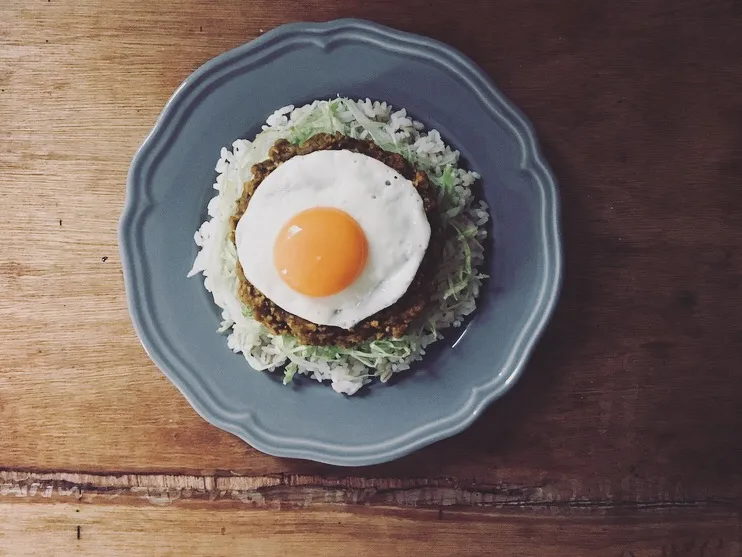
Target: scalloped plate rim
x,y
243,424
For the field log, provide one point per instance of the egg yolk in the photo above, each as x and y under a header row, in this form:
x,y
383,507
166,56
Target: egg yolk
x,y
320,251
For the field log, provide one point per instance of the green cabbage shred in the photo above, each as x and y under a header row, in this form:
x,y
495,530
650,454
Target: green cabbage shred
x,y
372,353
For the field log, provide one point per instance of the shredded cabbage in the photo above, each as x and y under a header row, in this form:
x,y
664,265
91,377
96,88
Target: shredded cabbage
x,y
457,279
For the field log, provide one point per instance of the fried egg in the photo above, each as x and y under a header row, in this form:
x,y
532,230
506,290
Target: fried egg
x,y
333,237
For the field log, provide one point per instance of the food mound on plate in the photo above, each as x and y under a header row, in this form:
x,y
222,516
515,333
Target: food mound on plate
x,y
342,241
334,241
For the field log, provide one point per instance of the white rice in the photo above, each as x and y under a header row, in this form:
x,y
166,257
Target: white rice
x,y
458,280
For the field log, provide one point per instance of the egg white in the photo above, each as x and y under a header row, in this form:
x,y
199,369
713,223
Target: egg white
x,y
384,203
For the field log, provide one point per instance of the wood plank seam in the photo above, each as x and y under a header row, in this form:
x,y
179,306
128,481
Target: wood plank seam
x,y
296,490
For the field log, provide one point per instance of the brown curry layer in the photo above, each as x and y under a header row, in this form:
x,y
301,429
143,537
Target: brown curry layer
x,y
392,321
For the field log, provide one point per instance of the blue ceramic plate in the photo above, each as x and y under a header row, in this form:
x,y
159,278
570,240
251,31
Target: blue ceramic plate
x,y
169,184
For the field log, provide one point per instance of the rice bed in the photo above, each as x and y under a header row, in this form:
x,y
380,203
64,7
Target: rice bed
x,y
458,280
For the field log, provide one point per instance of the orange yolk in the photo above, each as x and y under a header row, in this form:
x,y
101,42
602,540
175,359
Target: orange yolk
x,y
320,251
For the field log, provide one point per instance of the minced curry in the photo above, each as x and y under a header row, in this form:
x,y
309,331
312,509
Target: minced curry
x,y
392,321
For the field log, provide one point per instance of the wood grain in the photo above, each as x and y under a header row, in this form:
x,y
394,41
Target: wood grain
x,y
634,396
122,529
83,514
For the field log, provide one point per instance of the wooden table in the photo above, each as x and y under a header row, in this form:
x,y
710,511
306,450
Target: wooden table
x,y
624,437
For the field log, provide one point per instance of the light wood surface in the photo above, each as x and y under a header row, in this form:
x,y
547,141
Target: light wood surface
x,y
216,530
623,438
239,530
